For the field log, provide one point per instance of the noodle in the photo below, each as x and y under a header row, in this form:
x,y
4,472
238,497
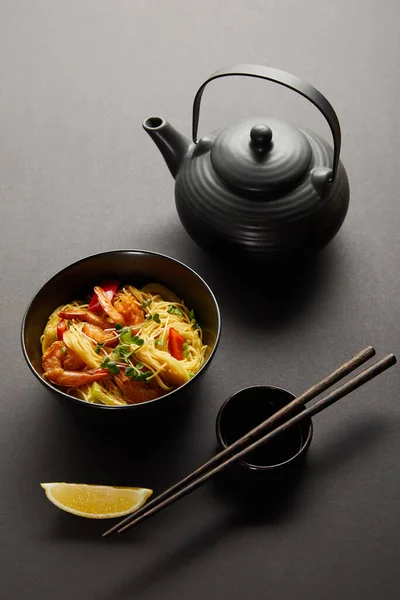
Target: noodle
x,y
81,345
156,348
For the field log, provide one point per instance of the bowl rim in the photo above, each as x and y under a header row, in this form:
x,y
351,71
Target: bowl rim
x,y
262,468
134,251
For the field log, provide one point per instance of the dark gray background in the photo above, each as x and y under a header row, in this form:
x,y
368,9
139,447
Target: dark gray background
x,y
78,175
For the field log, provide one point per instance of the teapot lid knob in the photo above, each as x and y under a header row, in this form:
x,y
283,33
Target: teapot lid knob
x,y
261,136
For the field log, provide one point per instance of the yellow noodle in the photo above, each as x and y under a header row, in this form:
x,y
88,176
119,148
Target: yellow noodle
x,y
50,331
167,372
76,340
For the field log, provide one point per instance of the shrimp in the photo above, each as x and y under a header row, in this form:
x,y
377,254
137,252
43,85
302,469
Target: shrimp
x,y
126,311
72,362
97,334
55,359
129,308
107,306
135,392
84,315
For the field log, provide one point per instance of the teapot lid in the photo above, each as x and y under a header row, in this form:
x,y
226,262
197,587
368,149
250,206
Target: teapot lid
x,y
263,155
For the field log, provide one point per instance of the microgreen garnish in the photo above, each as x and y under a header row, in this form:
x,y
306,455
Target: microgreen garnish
x,y
173,310
123,351
193,320
125,336
119,327
146,303
191,374
98,347
159,343
135,374
117,353
185,349
110,365
155,318
63,349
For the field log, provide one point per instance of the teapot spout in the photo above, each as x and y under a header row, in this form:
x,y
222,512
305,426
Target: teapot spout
x,y
172,144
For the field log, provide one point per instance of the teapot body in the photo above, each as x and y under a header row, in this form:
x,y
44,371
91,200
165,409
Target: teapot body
x,y
259,225
261,188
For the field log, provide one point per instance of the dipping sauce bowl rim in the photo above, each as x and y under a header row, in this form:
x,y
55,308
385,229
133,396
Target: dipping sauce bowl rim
x,y
263,468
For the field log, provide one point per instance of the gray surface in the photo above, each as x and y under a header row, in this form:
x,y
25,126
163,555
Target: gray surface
x,y
78,175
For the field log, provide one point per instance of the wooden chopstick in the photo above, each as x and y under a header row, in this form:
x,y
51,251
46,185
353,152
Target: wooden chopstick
x,y
340,372
346,368
319,406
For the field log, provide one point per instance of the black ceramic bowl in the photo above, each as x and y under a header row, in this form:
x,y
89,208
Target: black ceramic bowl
x,y
246,409
137,267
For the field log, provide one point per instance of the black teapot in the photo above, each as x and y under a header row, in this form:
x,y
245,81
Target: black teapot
x,y
260,188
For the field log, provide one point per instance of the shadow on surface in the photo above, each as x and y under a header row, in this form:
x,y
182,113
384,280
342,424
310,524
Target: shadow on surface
x,y
140,454
241,509
342,446
176,560
75,448
276,294
273,502
257,505
258,502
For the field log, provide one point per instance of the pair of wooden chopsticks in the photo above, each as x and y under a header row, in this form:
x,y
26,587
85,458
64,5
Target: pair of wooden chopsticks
x,y
244,445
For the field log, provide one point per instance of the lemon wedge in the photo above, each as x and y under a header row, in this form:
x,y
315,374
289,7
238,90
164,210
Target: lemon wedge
x,y
96,501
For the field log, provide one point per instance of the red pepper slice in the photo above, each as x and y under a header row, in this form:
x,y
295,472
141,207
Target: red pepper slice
x,y
61,327
110,287
175,344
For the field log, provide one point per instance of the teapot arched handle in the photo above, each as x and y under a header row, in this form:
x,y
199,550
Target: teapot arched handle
x,y
286,79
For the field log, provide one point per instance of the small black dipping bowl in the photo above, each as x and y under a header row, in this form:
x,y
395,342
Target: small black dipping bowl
x,y
248,408
137,267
